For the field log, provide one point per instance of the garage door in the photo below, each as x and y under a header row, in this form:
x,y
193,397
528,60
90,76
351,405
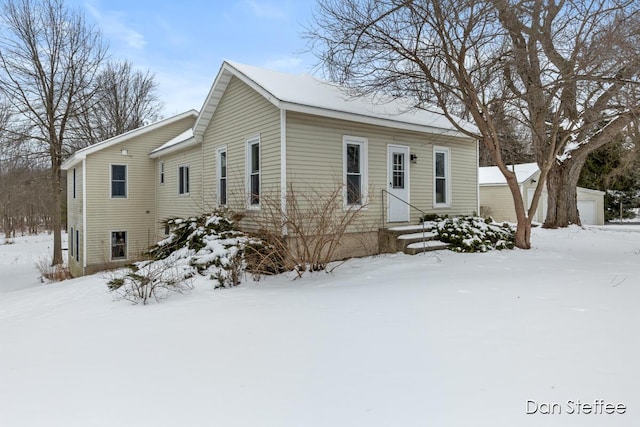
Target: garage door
x,y
587,210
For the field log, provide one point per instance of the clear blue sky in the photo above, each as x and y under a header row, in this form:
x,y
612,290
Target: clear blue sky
x,y
184,42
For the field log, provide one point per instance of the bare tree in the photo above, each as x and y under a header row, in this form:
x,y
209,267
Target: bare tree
x,y
49,59
575,64
514,137
125,99
450,52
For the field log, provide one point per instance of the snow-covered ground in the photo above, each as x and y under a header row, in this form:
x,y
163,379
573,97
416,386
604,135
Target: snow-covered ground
x,y
439,339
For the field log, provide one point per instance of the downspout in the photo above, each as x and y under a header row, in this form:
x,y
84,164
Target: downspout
x,y
283,167
201,140
84,216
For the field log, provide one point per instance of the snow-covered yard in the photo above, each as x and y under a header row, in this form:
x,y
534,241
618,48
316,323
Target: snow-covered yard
x,y
440,339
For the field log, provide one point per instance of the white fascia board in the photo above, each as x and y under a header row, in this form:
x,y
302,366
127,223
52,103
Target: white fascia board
x,y
340,115
82,154
188,143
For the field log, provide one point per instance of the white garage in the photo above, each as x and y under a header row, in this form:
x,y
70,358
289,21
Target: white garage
x,y
496,200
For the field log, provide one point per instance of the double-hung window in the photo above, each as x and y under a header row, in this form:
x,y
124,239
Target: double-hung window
x,y
222,176
183,180
118,181
441,177
253,171
161,172
355,169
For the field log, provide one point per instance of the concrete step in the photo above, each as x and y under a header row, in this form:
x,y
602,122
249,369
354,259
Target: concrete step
x,y
389,241
426,235
426,246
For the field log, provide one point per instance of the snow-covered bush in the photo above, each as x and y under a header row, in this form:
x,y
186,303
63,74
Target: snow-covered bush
x,y
207,245
471,234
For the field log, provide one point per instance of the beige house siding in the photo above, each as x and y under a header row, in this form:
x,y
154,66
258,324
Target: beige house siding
x,y
169,203
315,160
75,219
242,114
496,202
134,214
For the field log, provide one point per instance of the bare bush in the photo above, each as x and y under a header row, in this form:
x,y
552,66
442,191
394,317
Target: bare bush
x,y
314,222
53,273
149,281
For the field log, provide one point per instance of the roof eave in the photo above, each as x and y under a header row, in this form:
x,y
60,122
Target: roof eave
x,y
360,118
226,72
183,145
82,153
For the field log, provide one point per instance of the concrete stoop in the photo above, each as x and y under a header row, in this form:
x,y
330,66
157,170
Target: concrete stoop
x,y
410,239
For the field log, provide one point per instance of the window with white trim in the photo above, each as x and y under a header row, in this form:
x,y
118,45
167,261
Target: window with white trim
x,y
441,177
222,175
119,181
355,169
161,172
253,171
118,245
74,183
183,180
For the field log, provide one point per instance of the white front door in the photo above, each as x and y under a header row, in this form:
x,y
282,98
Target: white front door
x,y
398,178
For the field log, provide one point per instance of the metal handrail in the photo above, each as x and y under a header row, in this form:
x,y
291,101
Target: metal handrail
x,y
424,242
403,201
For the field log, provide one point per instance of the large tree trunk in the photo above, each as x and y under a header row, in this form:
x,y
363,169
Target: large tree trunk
x,y
522,238
562,204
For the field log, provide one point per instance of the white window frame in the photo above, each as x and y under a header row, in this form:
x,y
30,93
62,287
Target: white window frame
x,y
74,183
447,176
188,181
162,172
126,181
250,142
126,245
219,177
364,173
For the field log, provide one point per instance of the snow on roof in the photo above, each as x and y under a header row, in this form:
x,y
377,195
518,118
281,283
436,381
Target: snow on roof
x,y
307,94
492,175
172,144
82,153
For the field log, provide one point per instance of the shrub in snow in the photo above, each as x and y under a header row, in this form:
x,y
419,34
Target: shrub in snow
x,y
472,234
316,220
149,281
53,273
207,245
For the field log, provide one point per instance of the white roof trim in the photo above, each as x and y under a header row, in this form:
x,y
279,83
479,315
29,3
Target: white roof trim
x,y
591,190
84,152
491,175
180,142
397,124
229,70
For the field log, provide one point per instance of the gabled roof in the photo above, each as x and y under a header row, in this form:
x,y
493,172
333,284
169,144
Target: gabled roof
x,y
84,152
491,175
306,94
